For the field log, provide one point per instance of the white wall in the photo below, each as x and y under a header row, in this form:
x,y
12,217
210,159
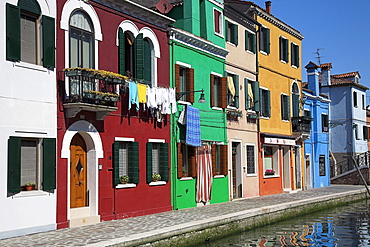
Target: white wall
x,y
27,109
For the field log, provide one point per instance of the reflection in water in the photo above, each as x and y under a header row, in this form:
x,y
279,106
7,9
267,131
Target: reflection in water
x,y
342,226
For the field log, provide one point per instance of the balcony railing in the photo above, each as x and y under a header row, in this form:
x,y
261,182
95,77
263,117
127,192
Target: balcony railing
x,y
301,124
91,90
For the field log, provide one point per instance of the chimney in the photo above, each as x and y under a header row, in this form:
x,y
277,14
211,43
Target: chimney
x,y
313,78
268,6
325,74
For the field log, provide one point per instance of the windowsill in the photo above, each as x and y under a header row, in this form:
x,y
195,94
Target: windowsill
x,y
183,102
230,43
271,176
219,34
294,67
263,53
250,52
186,178
285,121
251,175
216,108
251,112
232,107
31,193
262,117
157,183
30,66
285,62
219,176
124,186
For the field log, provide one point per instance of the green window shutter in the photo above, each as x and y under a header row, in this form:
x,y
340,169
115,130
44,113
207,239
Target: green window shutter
x,y
14,165
246,95
288,106
163,161
133,162
295,104
286,50
30,6
48,41
149,165
254,46
246,41
121,52
364,132
292,53
226,30
116,180
49,164
256,96
234,34
281,48
296,56
147,63
139,54
267,41
236,85
13,32
268,104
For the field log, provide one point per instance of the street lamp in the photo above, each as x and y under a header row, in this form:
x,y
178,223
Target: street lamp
x,y
201,98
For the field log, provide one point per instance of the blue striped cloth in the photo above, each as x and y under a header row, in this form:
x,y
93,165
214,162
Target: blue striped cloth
x,y
193,127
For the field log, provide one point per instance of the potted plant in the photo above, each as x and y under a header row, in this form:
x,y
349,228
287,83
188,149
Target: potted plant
x,y
29,186
124,179
156,177
269,172
184,173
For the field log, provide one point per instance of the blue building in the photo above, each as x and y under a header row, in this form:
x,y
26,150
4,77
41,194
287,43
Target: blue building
x,y
348,132
316,147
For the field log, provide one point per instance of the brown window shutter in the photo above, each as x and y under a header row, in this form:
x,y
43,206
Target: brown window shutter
x,y
213,153
179,160
190,84
223,160
192,165
212,90
177,77
223,92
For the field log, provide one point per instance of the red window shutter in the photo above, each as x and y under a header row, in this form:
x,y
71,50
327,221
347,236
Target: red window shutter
x,y
212,90
223,92
177,77
192,162
223,160
217,21
213,153
190,84
179,160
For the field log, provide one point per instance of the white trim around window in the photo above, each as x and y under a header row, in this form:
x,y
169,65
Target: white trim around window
x,y
124,139
185,65
157,140
254,158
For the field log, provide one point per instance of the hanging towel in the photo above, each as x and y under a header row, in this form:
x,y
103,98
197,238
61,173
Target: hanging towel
x,y
204,174
193,126
230,84
172,98
166,106
150,97
141,93
182,117
132,98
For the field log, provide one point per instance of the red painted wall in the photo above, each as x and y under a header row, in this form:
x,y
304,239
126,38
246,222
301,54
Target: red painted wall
x,y
115,203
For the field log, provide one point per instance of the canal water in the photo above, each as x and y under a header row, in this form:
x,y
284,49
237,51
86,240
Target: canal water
x,y
341,226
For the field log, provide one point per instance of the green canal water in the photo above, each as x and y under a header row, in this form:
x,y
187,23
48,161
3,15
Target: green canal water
x,y
341,226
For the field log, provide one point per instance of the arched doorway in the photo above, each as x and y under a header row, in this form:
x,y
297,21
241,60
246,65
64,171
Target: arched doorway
x,y
78,172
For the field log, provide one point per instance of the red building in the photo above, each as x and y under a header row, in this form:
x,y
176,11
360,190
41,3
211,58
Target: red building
x,y
100,139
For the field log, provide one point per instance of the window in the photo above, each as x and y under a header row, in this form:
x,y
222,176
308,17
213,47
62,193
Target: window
x,y
30,35
284,49
219,159
218,20
265,102
251,166
355,129
265,40
285,109
218,91
126,161
31,161
233,90
294,55
363,102
365,132
135,56
307,113
271,159
251,90
232,33
295,100
325,123
250,42
156,160
322,170
184,82
355,99
186,161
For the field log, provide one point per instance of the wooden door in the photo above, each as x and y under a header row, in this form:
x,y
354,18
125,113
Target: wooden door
x,y
78,172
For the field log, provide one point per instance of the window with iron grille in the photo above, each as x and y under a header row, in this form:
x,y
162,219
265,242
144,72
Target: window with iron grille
x,y
251,166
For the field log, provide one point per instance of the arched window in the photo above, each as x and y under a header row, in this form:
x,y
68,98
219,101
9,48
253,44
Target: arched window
x,y
30,35
295,99
81,49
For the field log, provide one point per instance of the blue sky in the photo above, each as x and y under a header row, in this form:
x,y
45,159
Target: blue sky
x,y
341,28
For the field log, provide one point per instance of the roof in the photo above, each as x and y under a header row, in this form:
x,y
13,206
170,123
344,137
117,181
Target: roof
x,y
345,82
326,65
346,75
152,3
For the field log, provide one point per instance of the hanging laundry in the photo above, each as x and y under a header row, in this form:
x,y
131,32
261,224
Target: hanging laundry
x,y
204,174
193,126
182,117
230,85
141,92
166,106
172,98
133,98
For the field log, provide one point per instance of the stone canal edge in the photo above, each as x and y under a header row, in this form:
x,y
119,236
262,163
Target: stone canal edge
x,y
196,232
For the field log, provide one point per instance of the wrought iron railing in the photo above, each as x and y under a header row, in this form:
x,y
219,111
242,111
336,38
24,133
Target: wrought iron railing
x,y
301,124
346,165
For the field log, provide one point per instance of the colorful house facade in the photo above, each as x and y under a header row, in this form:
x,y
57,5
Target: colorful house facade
x,y
316,147
110,140
242,121
28,125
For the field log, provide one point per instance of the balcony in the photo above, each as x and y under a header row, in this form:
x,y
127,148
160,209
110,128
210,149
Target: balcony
x,y
91,90
301,124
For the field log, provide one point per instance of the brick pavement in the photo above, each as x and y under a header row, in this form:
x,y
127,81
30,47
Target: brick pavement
x,y
119,231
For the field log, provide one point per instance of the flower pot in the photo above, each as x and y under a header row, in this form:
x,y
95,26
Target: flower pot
x,y
29,187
